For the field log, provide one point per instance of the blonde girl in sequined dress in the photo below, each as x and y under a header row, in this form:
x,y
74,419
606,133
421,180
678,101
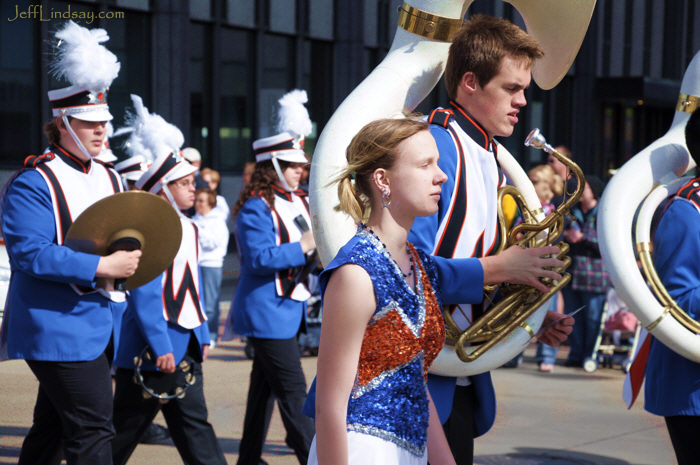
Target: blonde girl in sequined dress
x,y
382,324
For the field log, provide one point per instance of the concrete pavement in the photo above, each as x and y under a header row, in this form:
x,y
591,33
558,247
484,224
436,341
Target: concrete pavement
x,y
563,418
566,417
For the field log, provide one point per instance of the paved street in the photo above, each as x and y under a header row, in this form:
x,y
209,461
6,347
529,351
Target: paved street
x,y
563,418
567,417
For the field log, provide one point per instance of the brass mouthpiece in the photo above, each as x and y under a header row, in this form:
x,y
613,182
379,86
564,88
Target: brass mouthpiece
x,y
536,139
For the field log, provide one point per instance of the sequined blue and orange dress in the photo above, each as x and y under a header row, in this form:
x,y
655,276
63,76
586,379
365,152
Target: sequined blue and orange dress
x,y
387,418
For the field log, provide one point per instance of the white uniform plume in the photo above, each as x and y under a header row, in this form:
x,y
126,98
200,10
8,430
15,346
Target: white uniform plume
x,y
293,117
82,60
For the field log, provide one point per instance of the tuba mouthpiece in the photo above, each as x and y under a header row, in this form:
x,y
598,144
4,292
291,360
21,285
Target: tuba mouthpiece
x,y
536,139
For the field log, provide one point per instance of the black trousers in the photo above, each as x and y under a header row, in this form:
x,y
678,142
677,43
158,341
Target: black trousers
x,y
685,437
72,415
187,422
276,372
459,427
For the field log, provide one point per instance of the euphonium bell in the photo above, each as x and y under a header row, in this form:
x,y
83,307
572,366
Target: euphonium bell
x,y
517,302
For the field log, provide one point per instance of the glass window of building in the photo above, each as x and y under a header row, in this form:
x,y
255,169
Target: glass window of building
x,y
371,15
200,9
241,12
278,59
320,19
200,89
135,4
20,91
128,39
235,101
318,72
283,16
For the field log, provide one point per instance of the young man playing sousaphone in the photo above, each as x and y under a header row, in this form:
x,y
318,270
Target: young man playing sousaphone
x,y
166,318
487,72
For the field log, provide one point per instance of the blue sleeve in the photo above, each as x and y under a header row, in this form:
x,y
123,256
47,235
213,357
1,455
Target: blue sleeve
x,y
29,228
677,254
204,328
146,303
461,280
425,228
256,234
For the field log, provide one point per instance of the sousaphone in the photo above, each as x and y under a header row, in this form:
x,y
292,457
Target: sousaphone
x,y
399,83
637,189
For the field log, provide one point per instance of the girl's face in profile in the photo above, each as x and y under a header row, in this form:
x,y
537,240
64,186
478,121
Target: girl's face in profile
x,y
415,178
292,174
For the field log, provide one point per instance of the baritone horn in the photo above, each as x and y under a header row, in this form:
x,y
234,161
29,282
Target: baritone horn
x,y
636,190
519,302
408,73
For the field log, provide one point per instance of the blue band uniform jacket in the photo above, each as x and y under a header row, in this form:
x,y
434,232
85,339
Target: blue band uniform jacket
x,y
48,315
271,255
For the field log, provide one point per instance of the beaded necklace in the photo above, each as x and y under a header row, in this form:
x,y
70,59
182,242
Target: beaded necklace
x,y
410,256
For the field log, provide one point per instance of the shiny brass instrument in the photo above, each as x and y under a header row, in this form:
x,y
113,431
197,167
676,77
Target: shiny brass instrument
x,y
628,205
517,302
400,82
644,249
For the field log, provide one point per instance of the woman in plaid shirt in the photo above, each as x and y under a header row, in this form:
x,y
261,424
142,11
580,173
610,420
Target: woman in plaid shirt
x,y
590,279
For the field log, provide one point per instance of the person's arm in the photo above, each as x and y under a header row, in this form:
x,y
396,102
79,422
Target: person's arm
x,y
146,304
256,236
439,452
677,254
348,305
29,229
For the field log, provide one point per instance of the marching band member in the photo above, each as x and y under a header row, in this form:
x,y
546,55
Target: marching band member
x,y
167,316
60,316
672,381
382,324
274,238
273,230
487,72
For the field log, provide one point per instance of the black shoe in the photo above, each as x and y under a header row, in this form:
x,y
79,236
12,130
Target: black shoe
x,y
155,434
573,363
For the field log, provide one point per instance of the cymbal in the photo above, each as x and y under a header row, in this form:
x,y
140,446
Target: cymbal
x,y
133,214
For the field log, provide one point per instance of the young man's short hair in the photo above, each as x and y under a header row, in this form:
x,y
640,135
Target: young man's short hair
x,y
480,46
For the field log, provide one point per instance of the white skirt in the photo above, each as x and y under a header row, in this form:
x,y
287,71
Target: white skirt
x,y
364,449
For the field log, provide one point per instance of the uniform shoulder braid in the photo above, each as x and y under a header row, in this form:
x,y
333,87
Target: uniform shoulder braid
x,y
440,117
33,160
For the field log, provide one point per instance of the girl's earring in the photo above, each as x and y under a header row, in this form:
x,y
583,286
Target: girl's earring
x,y
386,198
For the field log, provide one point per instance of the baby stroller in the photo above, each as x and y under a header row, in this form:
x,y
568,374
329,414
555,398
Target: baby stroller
x,y
618,336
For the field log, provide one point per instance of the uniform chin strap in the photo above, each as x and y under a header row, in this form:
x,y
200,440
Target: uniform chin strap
x,y
75,137
171,199
281,176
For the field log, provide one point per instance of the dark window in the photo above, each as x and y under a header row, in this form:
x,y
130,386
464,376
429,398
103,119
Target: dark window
x,y
278,59
283,15
128,39
20,122
200,89
235,103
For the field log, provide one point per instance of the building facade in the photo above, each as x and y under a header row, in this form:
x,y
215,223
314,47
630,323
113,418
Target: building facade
x,y
216,68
